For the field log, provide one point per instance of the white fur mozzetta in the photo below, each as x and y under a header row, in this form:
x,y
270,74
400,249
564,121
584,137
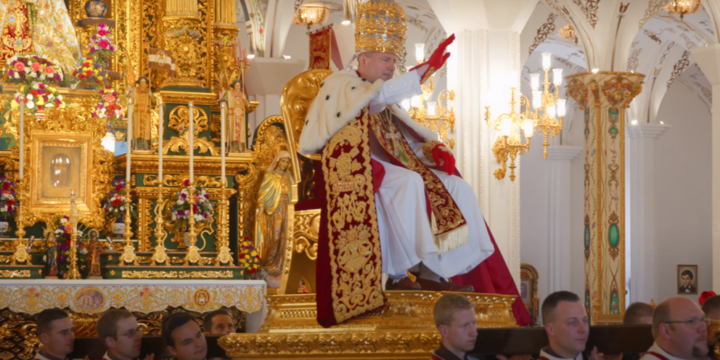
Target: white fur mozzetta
x,y
340,99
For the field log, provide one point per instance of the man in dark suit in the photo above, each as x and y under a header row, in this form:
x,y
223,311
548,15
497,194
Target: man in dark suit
x,y
687,280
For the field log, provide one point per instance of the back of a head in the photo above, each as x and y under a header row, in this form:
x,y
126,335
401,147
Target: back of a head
x,y
661,314
448,305
551,302
636,311
711,307
45,319
173,322
107,325
208,321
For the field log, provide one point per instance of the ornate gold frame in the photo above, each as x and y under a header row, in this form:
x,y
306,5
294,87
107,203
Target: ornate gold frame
x,y
528,273
83,195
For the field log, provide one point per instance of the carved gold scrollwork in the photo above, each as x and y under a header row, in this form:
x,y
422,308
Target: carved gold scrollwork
x,y
179,121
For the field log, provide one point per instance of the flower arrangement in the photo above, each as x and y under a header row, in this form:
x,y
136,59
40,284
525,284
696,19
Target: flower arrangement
x,y
249,257
115,201
32,69
180,210
90,73
38,97
101,46
62,229
7,198
108,106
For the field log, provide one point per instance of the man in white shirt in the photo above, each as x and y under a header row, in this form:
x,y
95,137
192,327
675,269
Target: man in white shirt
x,y
680,331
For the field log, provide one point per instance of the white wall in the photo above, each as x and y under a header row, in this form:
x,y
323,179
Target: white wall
x,y
682,191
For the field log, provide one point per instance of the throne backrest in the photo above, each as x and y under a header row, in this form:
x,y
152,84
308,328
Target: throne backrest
x,y
295,102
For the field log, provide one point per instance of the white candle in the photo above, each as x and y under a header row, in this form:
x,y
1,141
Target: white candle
x,y
21,131
222,141
160,143
190,136
129,143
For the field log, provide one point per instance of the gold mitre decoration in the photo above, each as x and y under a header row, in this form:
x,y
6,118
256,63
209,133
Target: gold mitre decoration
x,y
380,27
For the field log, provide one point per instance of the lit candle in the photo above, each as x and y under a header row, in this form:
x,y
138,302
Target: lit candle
x,y
190,141
129,142
21,131
222,141
160,143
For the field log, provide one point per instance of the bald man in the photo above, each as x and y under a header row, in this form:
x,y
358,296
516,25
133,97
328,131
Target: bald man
x,y
680,331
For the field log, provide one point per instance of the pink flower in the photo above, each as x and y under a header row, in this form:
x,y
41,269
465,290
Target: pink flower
x,y
109,98
104,44
19,66
49,70
102,32
35,66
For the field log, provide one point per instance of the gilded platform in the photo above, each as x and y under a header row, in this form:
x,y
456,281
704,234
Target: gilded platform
x,y
402,329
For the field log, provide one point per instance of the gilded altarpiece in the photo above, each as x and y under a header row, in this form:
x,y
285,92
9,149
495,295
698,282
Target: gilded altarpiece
x,y
604,97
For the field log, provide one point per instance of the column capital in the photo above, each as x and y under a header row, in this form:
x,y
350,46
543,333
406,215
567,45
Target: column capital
x,y
563,152
604,88
646,131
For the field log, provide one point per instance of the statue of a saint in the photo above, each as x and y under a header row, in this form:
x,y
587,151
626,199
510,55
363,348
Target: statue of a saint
x,y
94,252
51,256
143,102
38,27
236,123
272,218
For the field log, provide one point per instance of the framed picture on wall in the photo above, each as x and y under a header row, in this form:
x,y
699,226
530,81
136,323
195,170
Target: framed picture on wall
x,y
687,279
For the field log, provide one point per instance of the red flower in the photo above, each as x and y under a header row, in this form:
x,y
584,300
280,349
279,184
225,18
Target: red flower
x,y
11,202
116,203
242,256
33,92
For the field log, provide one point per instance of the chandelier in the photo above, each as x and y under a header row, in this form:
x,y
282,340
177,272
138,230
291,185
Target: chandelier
x,y
683,7
311,15
568,32
432,114
546,109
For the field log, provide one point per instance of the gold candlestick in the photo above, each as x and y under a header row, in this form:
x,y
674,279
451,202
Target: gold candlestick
x,y
159,256
223,256
73,272
20,254
193,253
128,257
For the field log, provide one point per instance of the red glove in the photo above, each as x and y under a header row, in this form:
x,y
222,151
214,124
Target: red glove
x,y
443,157
437,59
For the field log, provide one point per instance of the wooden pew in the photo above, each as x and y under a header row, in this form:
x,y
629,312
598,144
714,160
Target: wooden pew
x,y
608,339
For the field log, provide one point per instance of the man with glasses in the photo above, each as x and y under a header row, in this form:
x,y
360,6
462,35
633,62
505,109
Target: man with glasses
x,y
120,333
680,331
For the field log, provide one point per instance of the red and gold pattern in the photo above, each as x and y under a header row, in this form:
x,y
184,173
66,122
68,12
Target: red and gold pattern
x,y
16,37
446,214
353,239
320,45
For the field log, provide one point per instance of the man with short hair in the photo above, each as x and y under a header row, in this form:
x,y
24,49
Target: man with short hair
x,y
638,313
218,322
120,333
680,331
566,324
183,337
56,333
455,318
711,307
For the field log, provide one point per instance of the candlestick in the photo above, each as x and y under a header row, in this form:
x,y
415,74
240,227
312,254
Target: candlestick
x,y
222,140
190,141
21,131
73,272
160,142
129,143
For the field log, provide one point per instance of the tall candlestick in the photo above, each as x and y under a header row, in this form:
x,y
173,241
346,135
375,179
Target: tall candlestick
x,y
160,143
222,140
129,142
21,131
190,141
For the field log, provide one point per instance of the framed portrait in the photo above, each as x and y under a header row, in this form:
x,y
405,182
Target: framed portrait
x,y
59,165
687,279
529,291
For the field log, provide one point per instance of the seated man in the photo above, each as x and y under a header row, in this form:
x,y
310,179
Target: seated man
x,y
638,313
679,328
56,333
566,325
218,322
710,305
183,337
122,336
455,318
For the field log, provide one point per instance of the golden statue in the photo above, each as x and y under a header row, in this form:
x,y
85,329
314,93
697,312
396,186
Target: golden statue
x,y
236,124
143,102
272,218
94,252
51,256
38,27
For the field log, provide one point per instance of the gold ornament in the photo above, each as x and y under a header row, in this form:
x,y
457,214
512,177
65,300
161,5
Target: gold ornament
x,y
380,27
683,7
311,15
568,32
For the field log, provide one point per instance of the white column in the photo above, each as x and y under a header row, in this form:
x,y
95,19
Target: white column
x,y
708,58
559,211
640,210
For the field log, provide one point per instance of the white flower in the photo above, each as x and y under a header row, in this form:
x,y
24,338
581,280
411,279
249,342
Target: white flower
x,y
199,217
63,220
83,251
33,75
60,97
29,97
42,77
16,75
174,217
30,105
80,233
